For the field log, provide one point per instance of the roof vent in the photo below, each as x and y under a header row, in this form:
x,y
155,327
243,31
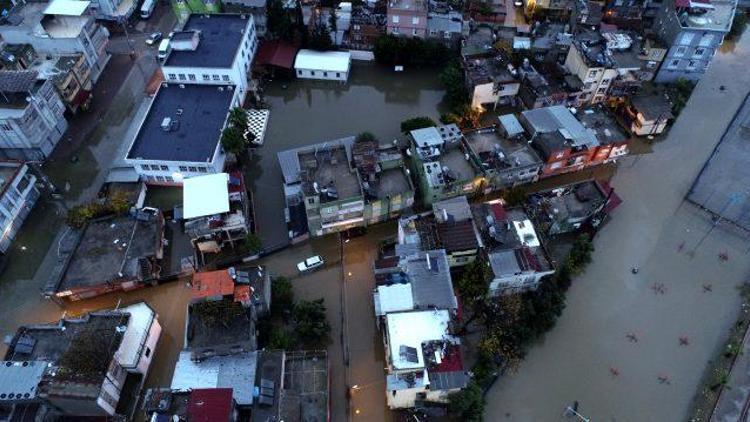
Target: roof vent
x,y
182,86
221,89
230,87
166,124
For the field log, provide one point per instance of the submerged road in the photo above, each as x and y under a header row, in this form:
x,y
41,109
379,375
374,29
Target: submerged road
x,y
661,233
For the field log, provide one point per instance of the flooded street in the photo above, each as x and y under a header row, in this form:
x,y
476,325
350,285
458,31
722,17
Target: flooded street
x,y
658,231
376,100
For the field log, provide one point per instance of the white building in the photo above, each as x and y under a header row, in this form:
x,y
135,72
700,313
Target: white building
x,y
424,359
31,116
60,27
325,65
215,49
18,198
180,135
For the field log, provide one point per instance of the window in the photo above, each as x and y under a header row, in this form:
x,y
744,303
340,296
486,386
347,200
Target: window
x,y
192,169
154,167
338,75
592,74
602,90
202,170
311,201
674,63
172,76
312,73
686,38
6,127
447,35
181,76
144,166
206,77
414,32
692,64
357,27
325,74
433,32
148,352
605,81
164,168
706,40
215,77
415,21
680,51
699,52
395,19
183,168
299,72
225,78
191,77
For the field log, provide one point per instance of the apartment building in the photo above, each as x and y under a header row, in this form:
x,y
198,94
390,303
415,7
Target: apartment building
x,y
31,116
88,366
18,194
407,18
693,30
58,28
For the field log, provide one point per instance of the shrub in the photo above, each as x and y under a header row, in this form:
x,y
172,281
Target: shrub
x,y
416,123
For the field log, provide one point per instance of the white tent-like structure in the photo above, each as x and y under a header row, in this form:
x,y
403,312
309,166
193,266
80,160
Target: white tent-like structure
x,y
326,65
205,195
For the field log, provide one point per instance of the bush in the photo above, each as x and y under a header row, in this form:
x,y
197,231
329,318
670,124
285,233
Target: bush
x,y
467,404
452,78
416,123
311,325
79,215
253,243
366,137
280,339
282,295
738,25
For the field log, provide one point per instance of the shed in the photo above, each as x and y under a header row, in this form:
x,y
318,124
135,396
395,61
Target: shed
x,y
325,65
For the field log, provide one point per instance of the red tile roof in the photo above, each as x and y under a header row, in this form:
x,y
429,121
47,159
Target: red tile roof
x,y
451,360
212,283
499,211
243,294
210,405
276,53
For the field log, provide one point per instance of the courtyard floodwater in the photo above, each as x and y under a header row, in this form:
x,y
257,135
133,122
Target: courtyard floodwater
x,y
658,231
376,99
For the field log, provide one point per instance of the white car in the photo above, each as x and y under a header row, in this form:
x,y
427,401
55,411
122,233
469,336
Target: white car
x,y
310,264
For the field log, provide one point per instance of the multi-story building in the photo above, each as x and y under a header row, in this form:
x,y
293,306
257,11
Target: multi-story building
x,y
613,141
112,10
569,208
537,9
215,49
340,184
645,115
113,253
31,116
490,82
514,251
693,30
423,358
447,26
216,211
562,142
18,194
442,163
59,27
506,159
407,18
90,366
180,135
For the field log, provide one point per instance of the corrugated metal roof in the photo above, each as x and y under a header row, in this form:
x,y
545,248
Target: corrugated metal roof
x,y
448,380
558,118
17,80
431,281
504,263
511,124
17,379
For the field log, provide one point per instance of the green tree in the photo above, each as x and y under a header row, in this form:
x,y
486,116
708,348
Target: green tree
x,y
580,254
278,22
320,36
739,23
253,243
514,196
233,141
504,342
238,118
416,123
282,295
280,339
332,19
468,404
311,325
473,284
452,78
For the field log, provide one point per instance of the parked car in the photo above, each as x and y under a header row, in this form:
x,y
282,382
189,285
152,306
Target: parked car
x,y
310,264
153,38
353,232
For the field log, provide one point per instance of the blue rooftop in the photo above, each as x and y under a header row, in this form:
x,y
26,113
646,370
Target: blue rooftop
x,y
197,114
220,38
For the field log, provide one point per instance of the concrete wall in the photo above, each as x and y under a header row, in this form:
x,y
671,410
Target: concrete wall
x,y
322,75
15,206
149,348
485,94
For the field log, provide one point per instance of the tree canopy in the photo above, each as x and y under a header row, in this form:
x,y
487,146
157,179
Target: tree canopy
x,y
311,325
416,123
468,404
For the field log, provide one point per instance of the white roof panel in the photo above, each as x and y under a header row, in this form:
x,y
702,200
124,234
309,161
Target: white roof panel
x,y
332,61
67,7
411,329
394,298
526,233
205,195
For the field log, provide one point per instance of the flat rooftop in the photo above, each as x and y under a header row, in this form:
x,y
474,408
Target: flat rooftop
x,y
497,152
31,15
235,371
602,125
197,114
487,70
408,330
111,249
392,182
220,37
458,166
218,323
715,15
416,5
329,169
